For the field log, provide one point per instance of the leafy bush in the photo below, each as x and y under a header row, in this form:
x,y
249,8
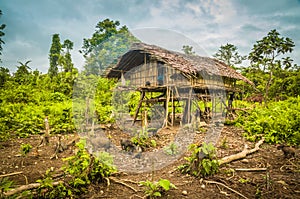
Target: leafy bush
x,y
202,161
157,189
142,139
81,170
85,168
278,123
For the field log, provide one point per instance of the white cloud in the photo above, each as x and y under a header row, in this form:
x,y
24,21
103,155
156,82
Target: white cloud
x,y
209,23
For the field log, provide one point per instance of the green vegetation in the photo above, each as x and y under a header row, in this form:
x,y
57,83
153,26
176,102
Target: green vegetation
x,y
72,100
202,162
229,55
81,170
157,189
279,123
86,168
171,149
5,185
25,148
107,43
142,139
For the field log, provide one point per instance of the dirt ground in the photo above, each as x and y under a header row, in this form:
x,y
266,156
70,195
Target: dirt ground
x,y
280,180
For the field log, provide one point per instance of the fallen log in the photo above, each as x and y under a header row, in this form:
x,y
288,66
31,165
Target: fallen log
x,y
241,154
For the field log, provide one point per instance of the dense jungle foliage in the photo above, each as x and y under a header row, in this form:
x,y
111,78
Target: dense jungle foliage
x,y
64,93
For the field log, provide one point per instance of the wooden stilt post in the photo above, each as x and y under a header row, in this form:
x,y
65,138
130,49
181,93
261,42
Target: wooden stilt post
x,y
173,109
221,104
167,105
138,108
189,106
212,104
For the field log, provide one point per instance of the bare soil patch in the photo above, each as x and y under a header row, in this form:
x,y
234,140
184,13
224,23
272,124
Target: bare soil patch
x,y
280,180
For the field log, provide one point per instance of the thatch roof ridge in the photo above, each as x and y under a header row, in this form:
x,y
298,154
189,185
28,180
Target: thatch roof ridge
x,y
191,64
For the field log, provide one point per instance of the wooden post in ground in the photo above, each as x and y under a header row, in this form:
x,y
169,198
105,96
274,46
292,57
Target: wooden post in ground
x,y
46,137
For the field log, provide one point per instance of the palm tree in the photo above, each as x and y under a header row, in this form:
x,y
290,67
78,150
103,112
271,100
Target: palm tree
x,y
22,71
23,68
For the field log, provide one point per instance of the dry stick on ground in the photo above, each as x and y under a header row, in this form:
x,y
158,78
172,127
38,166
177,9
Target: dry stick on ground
x,y
242,154
122,183
219,183
11,174
250,169
27,187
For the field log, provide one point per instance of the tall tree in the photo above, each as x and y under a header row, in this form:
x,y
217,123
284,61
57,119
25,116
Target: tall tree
x,y
229,55
188,50
265,55
2,26
54,55
67,59
107,43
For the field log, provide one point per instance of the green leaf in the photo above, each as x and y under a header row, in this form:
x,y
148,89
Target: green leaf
x,y
157,194
165,184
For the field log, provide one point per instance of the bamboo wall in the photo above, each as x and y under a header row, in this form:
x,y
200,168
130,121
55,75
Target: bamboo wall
x,y
152,69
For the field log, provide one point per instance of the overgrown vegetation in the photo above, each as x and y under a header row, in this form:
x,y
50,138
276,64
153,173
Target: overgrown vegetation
x,y
279,123
80,171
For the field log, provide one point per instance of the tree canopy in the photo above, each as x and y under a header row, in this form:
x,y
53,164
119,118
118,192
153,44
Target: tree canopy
x,y
188,50
266,57
54,55
106,45
229,55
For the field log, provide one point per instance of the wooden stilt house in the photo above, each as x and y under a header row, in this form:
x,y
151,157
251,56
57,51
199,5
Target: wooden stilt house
x,y
150,68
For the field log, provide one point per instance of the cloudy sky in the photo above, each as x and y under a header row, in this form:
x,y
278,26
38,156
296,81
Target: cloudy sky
x,y
205,24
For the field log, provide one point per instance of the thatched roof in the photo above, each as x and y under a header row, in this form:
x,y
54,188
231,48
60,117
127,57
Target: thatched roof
x,y
190,65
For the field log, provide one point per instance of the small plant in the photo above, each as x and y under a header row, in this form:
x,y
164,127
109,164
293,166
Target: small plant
x,y
25,148
243,181
153,143
171,149
142,140
224,143
157,189
5,185
202,129
47,190
86,168
229,172
202,161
